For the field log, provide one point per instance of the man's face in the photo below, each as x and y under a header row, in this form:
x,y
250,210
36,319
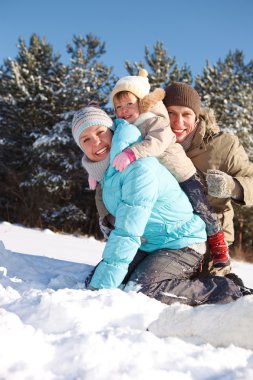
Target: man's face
x,y
182,121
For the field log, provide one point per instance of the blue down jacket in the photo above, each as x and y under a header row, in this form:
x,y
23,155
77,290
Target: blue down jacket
x,y
150,209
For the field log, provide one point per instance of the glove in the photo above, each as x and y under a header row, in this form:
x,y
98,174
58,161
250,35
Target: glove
x,y
122,160
92,183
220,184
106,225
219,253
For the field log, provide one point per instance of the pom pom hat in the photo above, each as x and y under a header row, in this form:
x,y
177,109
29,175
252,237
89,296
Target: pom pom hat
x,y
136,84
88,117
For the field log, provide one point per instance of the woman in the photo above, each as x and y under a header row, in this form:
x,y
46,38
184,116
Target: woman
x,y
151,213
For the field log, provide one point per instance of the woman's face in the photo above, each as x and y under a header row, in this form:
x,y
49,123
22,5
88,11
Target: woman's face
x,y
96,142
182,121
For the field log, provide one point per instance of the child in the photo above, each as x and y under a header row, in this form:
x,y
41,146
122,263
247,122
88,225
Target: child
x,y
133,102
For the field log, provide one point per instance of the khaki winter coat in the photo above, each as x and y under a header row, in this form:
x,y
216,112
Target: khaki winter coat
x,y
212,149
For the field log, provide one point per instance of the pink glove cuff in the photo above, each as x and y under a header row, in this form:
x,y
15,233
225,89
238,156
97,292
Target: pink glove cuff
x,y
92,183
130,154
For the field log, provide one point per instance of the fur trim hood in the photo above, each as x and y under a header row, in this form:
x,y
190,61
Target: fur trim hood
x,y
208,121
151,105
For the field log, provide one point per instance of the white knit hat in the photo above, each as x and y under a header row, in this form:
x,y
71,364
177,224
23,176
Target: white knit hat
x,y
87,117
137,84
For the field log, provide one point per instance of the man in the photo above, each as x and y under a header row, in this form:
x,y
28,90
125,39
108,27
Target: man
x,y
218,156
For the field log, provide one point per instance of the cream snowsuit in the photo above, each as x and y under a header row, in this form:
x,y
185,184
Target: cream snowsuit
x,y
159,141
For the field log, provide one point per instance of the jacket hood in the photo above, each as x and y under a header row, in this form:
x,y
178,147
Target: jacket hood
x,y
208,120
157,109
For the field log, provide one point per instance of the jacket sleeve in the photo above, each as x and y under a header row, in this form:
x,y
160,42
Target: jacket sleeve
x,y
139,193
237,165
102,210
157,137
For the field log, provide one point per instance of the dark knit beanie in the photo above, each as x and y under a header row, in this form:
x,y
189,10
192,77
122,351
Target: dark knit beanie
x,y
181,94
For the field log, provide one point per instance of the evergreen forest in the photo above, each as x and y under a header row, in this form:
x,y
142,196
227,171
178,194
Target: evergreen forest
x,y
42,181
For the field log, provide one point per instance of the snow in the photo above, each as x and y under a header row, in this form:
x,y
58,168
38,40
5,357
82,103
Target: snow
x,y
52,328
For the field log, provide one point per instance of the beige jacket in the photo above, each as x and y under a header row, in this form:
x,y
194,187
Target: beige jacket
x,y
212,149
159,141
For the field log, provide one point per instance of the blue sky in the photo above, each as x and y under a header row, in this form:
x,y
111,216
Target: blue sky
x,y
192,31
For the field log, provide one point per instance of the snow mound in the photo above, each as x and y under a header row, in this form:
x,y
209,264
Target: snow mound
x,y
52,328
219,325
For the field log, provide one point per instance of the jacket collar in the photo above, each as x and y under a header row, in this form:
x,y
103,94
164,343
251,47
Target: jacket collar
x,y
206,130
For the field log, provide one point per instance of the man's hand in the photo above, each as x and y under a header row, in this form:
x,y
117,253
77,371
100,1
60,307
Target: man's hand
x,y
220,184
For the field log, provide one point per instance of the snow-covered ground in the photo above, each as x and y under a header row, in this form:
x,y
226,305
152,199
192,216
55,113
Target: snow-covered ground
x,y
51,328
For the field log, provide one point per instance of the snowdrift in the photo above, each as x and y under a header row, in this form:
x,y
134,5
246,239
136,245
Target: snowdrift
x,y
219,325
52,328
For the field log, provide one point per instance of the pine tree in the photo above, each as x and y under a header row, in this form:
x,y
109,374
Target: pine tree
x,y
29,88
60,171
88,78
227,87
162,68
37,95
68,205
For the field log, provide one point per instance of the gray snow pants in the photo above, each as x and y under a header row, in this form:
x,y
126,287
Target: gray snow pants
x,y
172,276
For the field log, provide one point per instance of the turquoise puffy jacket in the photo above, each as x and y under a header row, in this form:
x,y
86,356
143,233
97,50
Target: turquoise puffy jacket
x,y
150,209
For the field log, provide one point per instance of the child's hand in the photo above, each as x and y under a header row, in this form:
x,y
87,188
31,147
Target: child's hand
x,y
92,183
122,160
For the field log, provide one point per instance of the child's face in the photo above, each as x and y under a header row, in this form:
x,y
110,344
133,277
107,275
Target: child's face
x,y
127,107
96,142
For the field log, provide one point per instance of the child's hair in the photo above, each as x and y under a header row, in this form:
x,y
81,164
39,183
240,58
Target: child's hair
x,y
122,94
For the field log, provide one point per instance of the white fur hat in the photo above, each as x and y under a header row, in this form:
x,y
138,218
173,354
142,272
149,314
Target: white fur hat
x,y
137,84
